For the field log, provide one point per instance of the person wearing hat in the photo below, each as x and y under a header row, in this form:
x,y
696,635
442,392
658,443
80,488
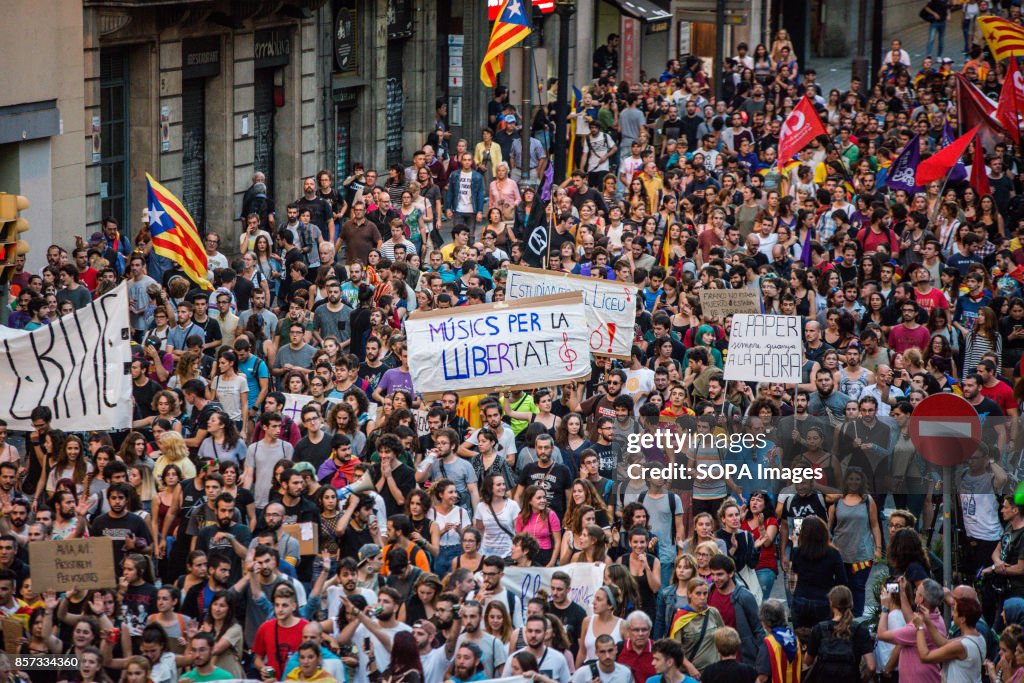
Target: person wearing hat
x,y
368,568
355,520
433,659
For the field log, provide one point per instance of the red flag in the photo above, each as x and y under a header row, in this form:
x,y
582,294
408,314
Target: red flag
x,y
979,178
799,128
1011,101
975,110
937,165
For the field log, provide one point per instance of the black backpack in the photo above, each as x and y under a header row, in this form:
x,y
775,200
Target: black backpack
x,y
835,661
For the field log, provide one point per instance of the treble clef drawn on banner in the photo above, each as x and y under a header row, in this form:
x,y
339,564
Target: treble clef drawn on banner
x,y
566,354
531,585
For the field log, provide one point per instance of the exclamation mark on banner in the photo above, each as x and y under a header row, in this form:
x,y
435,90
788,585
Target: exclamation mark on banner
x,y
611,336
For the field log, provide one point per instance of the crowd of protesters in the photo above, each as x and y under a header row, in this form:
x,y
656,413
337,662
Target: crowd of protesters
x,y
283,397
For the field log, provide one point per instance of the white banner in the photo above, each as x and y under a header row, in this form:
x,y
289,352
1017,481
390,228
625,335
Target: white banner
x,y
78,367
765,348
526,343
585,577
611,306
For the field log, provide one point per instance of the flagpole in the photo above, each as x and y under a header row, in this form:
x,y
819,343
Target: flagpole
x,y
942,190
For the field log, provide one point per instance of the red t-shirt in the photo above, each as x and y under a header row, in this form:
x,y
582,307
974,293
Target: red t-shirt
x,y
89,278
902,338
768,558
723,603
932,300
1002,394
276,644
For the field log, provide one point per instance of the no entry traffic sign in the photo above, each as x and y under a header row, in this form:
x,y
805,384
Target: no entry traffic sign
x,y
945,429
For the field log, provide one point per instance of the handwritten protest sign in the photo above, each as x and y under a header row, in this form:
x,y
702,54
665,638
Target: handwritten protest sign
x,y
293,405
82,563
306,534
524,582
13,630
718,303
765,348
76,366
526,343
420,417
611,306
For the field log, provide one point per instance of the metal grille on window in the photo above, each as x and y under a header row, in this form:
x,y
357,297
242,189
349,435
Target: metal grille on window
x,y
114,199
343,142
394,104
263,128
193,153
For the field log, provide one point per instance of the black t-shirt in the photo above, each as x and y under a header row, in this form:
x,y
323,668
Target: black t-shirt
x,y
405,478
353,539
243,293
139,602
988,408
607,458
555,480
143,397
372,376
729,671
572,618
118,528
313,453
211,328
839,659
320,213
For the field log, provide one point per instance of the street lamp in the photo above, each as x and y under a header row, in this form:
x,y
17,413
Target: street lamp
x,y
564,9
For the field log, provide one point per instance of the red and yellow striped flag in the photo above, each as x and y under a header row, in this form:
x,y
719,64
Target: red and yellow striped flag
x,y
512,26
1004,38
175,235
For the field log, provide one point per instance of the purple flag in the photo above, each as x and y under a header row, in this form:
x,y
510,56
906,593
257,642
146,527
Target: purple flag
x,y
805,252
901,173
959,171
546,183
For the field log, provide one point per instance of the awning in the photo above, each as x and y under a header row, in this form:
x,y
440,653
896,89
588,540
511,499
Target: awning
x,y
644,10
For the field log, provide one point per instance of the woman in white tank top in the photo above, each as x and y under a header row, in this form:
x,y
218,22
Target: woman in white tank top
x,y
603,622
451,519
961,658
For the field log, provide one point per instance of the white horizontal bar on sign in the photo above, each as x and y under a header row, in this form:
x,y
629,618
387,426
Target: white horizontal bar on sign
x,y
960,430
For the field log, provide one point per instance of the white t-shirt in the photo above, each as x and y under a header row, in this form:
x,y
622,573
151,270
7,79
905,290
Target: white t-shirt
x,y
382,655
435,665
229,393
465,201
334,594
621,674
496,541
639,382
552,665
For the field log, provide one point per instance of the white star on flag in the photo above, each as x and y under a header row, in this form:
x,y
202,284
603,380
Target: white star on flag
x,y
155,214
513,7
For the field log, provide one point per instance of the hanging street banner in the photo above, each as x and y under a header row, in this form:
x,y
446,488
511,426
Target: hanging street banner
x,y
611,305
526,343
765,348
78,366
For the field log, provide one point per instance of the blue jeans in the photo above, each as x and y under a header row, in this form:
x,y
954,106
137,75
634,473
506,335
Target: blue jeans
x,y
936,28
445,555
766,577
667,557
966,25
858,584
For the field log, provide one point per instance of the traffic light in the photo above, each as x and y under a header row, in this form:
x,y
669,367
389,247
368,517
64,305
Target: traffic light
x,y
11,225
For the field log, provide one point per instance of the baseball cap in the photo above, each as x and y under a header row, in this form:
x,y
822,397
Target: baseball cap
x,y
427,626
368,552
96,237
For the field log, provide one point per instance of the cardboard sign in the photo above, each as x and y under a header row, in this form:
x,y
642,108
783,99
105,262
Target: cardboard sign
x,y
718,303
765,348
13,630
526,343
82,563
293,405
611,306
420,416
307,535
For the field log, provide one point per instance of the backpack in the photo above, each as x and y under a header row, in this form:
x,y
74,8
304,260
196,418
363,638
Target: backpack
x,y
835,661
671,509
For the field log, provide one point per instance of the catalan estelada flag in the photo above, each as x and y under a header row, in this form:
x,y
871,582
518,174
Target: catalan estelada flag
x,y
511,27
175,235
784,657
1004,38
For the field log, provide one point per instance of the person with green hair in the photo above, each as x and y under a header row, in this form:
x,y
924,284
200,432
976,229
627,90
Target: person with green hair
x,y
705,337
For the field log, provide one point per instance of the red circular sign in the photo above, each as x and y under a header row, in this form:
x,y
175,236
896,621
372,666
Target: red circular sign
x,y
945,429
